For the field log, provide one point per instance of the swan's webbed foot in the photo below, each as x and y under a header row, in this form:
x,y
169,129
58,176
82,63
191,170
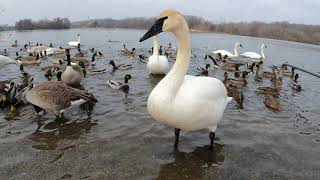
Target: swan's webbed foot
x,y
176,133
211,136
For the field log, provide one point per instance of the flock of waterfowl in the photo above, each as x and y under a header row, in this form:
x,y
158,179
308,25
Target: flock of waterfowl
x,y
181,101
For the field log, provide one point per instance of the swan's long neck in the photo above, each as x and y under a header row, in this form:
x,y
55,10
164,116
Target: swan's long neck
x,y
155,46
174,79
236,49
262,51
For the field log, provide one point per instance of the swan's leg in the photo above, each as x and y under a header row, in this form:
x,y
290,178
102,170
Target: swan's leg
x,y
211,136
176,133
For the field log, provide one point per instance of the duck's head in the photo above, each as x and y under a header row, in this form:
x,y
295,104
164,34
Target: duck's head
x,y
244,74
207,66
168,21
236,74
127,77
60,62
82,65
112,63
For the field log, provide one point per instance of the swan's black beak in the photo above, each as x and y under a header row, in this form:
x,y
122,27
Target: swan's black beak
x,y
155,29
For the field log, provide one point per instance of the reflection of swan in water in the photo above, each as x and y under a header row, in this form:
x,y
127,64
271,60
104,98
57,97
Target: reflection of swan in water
x,y
192,165
48,135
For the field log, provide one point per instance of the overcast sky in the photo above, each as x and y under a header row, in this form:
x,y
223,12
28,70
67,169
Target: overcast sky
x,y
298,11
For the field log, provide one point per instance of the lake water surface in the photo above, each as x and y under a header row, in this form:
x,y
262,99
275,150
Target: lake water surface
x,y
121,140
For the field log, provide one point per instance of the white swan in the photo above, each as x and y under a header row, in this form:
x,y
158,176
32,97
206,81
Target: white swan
x,y
183,101
227,53
4,60
157,64
75,43
254,55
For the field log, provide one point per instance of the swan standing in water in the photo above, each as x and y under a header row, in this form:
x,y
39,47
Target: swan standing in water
x,y
254,55
75,43
157,64
183,101
227,53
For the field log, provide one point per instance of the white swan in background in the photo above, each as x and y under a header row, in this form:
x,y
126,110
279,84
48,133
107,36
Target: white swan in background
x,y
157,64
4,60
183,101
75,43
229,54
254,55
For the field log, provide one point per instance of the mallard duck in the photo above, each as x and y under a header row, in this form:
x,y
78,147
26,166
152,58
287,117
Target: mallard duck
x,y
56,97
268,90
120,66
98,53
287,72
237,81
143,58
295,85
72,75
119,85
29,59
203,71
272,103
236,94
271,75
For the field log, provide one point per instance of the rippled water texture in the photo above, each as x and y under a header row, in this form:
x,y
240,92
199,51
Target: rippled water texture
x,y
121,141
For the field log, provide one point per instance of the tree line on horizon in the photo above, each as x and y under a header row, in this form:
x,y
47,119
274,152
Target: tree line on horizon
x,y
277,30
56,23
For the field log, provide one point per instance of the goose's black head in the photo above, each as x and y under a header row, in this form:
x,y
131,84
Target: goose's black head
x,y
112,63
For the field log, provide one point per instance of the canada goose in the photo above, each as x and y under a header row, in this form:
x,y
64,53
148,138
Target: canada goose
x,y
119,85
272,103
75,43
120,66
98,53
203,71
183,101
56,97
253,55
229,54
295,85
29,59
72,75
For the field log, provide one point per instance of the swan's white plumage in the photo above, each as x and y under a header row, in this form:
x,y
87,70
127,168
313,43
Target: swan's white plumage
x,y
183,101
254,55
229,54
4,60
157,64
74,43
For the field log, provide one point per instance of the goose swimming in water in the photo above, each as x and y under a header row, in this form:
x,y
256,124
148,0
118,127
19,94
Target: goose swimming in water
x,y
73,74
56,97
183,101
157,64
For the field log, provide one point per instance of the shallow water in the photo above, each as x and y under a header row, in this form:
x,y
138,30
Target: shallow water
x,y
121,141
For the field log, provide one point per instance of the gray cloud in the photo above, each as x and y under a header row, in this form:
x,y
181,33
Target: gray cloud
x,y
224,10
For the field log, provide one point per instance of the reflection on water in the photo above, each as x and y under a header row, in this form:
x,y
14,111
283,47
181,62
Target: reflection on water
x,y
192,165
48,135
